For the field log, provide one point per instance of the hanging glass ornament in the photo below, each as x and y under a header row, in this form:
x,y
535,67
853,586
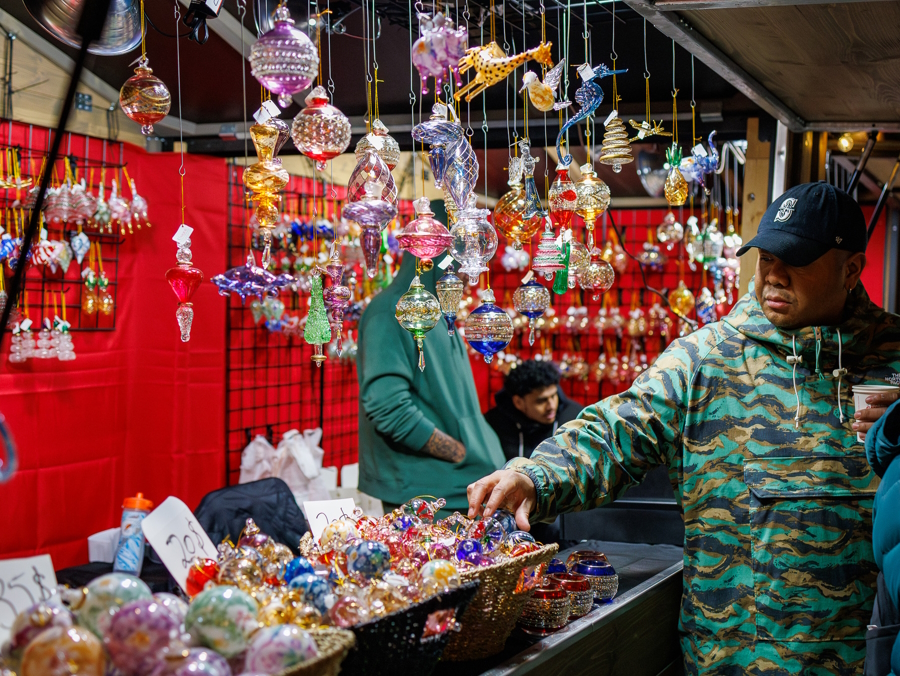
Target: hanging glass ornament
x,y
614,255
547,260
709,245
424,237
588,96
381,142
320,131
670,231
531,299
492,65
509,212
706,307
563,198
599,276
652,257
438,50
488,328
251,280
731,241
371,168
616,149
579,260
474,241
267,178
533,207
372,214
676,188
144,98
452,159
336,296
450,293
418,311
593,199
681,300
284,60
317,331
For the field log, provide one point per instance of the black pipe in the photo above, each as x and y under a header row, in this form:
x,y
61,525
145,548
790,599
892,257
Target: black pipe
x,y
90,26
863,160
882,198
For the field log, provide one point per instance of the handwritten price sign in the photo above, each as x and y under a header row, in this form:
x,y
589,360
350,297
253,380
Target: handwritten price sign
x,y
320,513
23,582
177,537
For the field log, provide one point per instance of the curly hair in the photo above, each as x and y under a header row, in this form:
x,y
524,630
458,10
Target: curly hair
x,y
529,376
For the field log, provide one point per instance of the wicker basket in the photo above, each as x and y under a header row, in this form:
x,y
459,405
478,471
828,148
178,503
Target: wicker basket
x,y
333,645
492,615
393,644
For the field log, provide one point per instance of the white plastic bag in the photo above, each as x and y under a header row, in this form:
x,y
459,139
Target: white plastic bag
x,y
257,460
299,464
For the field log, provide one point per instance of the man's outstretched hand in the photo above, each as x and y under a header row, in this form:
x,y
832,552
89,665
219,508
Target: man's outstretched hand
x,y
504,489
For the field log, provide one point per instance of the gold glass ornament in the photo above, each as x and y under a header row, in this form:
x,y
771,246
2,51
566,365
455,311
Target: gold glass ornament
x,y
267,177
599,276
676,188
381,142
593,200
145,98
682,300
418,311
616,149
509,213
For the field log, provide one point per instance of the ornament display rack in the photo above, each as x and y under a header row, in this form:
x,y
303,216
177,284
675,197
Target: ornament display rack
x,y
87,156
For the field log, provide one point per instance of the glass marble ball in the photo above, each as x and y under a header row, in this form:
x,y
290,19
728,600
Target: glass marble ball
x,y
492,535
349,611
507,520
105,595
197,662
466,547
368,558
337,533
488,328
242,573
222,618
320,131
175,604
284,60
275,649
36,619
139,635
61,651
314,590
517,537
445,573
296,567
144,98
420,509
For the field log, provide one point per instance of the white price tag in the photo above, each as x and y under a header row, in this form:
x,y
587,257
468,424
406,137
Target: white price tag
x,y
567,236
585,71
43,233
267,110
24,582
320,513
47,323
86,272
612,116
376,142
444,264
698,150
177,537
527,278
25,325
183,233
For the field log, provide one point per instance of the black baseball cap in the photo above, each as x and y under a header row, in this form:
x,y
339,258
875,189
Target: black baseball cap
x,y
807,221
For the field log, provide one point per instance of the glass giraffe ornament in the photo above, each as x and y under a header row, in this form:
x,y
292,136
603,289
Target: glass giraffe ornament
x,y
336,297
531,300
184,279
320,131
145,98
267,178
488,327
418,311
593,198
450,293
372,214
284,60
318,331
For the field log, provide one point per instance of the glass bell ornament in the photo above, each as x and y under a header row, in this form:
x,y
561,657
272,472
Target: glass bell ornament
x,y
616,148
372,214
682,300
547,260
184,279
509,212
593,199
424,237
284,60
450,292
531,299
488,328
144,98
474,241
336,297
418,311
320,131
318,331
676,188
563,198
380,141
670,231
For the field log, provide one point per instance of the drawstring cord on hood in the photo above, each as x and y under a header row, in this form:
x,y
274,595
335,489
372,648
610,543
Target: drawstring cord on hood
x,y
839,373
818,351
795,359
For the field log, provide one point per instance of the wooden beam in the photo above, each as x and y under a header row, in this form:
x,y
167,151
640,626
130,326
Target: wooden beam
x,y
678,5
683,33
755,198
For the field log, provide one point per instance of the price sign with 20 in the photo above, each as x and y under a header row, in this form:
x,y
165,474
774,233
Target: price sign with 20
x,y
177,537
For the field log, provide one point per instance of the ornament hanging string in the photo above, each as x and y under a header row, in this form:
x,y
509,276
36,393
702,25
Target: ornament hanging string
x,y
143,36
646,76
180,117
674,98
694,137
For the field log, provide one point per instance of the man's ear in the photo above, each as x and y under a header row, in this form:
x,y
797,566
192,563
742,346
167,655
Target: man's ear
x,y
854,266
519,402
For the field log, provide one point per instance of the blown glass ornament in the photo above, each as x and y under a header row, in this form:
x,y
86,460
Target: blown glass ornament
x,y
616,149
450,292
144,98
599,276
336,297
676,188
424,237
509,213
710,244
284,60
418,311
533,208
371,168
184,279
452,159
381,142
372,214
706,306
547,260
267,178
682,300
531,300
563,198
488,328
320,131
670,231
317,331
474,241
593,199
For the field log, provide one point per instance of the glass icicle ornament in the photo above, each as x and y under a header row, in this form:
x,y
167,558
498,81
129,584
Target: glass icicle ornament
x,y
593,199
670,231
488,328
509,212
380,141
616,149
450,293
424,237
284,60
320,131
531,299
317,332
418,311
563,198
336,296
184,279
682,300
676,188
372,214
267,178
474,241
145,98
547,260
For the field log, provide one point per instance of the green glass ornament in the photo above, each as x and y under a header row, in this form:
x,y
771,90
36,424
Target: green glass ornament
x,y
561,283
317,331
418,311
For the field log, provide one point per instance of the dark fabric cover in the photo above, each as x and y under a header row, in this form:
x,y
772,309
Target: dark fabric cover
x,y
269,502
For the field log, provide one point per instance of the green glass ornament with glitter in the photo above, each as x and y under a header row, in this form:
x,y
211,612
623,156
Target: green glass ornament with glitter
x,y
418,311
317,331
561,283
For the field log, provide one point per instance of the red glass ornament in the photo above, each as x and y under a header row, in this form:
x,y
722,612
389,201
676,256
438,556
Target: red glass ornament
x,y
184,280
563,199
201,572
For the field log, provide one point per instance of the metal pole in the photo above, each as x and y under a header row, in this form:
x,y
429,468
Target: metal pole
x,y
861,165
882,198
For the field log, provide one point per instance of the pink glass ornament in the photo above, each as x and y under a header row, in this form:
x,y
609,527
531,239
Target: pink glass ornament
x,y
320,131
337,297
284,60
424,237
184,280
144,98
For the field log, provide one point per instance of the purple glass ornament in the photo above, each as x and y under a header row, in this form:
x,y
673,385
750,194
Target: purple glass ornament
x,y
197,662
424,237
284,60
372,214
139,635
336,296
371,168
251,280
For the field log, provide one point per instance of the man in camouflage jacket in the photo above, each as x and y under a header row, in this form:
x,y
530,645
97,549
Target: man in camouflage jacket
x,y
754,418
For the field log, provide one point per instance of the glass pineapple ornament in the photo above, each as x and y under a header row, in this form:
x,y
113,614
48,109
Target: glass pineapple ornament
x,y
509,213
89,300
372,214
105,302
145,98
267,178
450,293
317,332
592,201
380,141
284,60
531,300
424,237
418,311
320,131
488,328
616,148
336,297
184,279
676,187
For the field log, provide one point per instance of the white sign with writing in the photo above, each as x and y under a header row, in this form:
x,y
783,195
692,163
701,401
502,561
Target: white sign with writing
x,y
177,537
320,513
23,582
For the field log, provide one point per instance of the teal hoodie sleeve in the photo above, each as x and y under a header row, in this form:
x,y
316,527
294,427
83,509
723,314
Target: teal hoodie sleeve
x,y
883,439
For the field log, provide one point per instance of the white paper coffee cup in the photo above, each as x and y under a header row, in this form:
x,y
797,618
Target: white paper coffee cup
x,y
860,392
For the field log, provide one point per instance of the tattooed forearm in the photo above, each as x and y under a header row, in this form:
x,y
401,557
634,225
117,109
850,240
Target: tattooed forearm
x,y
445,447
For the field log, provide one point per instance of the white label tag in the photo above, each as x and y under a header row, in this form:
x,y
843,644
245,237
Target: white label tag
x,y
612,116
585,71
527,278
86,272
43,233
320,513
266,111
388,259
25,325
376,142
178,538
47,323
24,582
183,233
698,150
567,236
444,264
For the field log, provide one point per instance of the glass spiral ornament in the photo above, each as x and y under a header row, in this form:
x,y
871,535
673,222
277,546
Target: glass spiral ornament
x,y
145,98
488,328
320,131
531,300
284,60
418,311
424,237
381,142
616,148
336,297
372,214
593,198
266,178
474,240
184,279
450,293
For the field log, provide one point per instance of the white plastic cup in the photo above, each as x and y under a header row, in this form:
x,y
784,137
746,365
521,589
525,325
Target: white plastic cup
x,y
860,392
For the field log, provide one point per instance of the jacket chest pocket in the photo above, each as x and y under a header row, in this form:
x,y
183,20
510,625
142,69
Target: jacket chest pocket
x,y
811,537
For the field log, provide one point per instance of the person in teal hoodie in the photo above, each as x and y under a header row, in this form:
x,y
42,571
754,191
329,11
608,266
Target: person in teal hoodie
x,y
754,419
420,432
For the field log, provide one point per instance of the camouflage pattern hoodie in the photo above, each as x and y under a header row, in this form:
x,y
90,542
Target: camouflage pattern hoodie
x,y
754,425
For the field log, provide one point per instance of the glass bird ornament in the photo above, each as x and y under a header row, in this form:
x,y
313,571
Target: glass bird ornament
x,y
547,260
492,65
474,241
543,94
145,98
531,299
450,293
418,311
593,199
424,237
670,231
589,96
317,332
616,148
488,328
336,297
451,157
676,188
267,178
320,131
380,141
681,300
563,198
372,214
284,60
371,167
438,50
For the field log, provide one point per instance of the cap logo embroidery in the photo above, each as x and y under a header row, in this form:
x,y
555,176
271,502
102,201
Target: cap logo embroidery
x,y
786,210
838,239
